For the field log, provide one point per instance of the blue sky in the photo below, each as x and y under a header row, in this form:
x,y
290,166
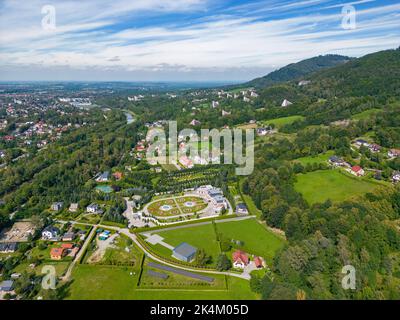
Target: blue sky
x,y
183,40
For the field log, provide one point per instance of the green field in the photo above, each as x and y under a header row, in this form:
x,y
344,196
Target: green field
x,y
256,238
201,237
280,122
319,186
321,158
116,283
365,114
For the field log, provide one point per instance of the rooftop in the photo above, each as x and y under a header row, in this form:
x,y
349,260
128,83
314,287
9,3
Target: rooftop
x,y
185,249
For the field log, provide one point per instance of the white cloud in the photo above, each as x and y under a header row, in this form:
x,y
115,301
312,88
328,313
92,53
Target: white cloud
x,y
93,38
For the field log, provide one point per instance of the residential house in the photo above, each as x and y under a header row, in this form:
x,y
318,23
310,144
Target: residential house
x,y
241,209
103,177
94,208
57,253
195,122
67,246
286,103
263,131
240,259
184,252
117,175
73,207
396,177
375,148
361,143
245,99
304,83
56,206
357,171
215,104
7,286
336,161
258,262
394,153
253,94
68,236
50,233
8,247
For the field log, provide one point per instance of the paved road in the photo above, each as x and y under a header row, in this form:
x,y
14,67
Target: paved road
x,y
67,275
202,223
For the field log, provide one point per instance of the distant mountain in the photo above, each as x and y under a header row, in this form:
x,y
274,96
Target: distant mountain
x,y
376,74
298,70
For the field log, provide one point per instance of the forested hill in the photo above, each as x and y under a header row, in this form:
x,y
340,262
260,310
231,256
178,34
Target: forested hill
x,y
298,70
376,74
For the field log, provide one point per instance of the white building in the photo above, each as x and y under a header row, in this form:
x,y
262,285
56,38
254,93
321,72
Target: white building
x,y
93,208
286,103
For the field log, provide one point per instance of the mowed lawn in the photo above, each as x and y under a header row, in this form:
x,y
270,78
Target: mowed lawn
x,y
201,237
319,186
280,122
116,283
256,238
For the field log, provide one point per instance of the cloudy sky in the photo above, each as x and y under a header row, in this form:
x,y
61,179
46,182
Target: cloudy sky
x,y
183,40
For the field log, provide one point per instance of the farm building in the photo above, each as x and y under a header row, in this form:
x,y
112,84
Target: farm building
x,y
184,252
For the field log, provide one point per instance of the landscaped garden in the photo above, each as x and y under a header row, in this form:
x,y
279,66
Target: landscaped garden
x,y
176,206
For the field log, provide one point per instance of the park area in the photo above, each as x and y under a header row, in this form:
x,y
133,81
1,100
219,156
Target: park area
x,y
322,185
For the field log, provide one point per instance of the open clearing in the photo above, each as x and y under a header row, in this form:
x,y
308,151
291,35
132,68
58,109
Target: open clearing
x,y
366,114
319,186
280,122
321,158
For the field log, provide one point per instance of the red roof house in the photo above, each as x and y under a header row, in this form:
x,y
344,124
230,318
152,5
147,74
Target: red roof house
x,y
67,246
258,262
240,259
57,253
117,175
357,171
